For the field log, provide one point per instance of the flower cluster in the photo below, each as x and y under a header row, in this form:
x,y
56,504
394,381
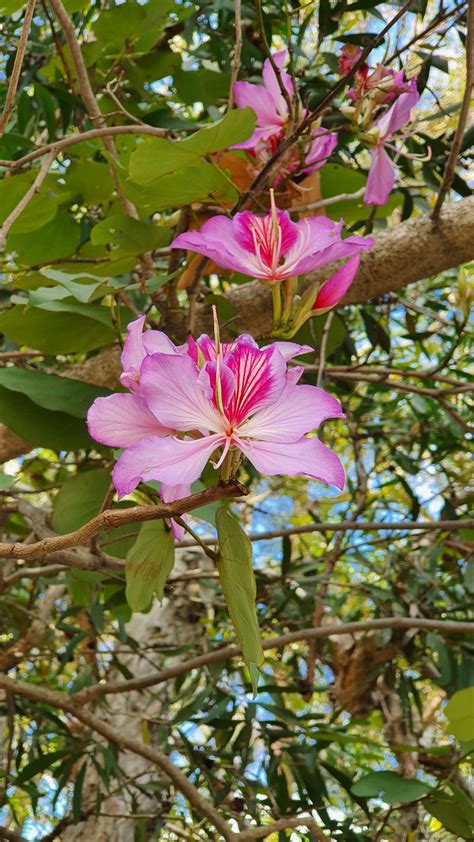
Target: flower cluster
x,y
372,91
271,109
212,401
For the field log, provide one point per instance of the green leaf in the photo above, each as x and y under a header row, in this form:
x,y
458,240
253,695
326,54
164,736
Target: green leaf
x,y
89,180
79,499
39,426
77,794
60,332
129,234
454,811
6,481
155,157
238,583
236,126
40,764
148,565
199,183
390,786
460,713
60,394
57,239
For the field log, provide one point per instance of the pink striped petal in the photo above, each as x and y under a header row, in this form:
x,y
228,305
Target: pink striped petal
x,y
399,114
299,410
216,240
272,87
122,420
309,457
260,377
288,350
166,460
256,97
334,289
171,388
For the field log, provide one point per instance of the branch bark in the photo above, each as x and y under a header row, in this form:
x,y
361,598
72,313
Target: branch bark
x,y
16,72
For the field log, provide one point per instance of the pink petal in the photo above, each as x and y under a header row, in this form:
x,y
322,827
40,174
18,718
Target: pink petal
x,y
252,232
320,149
256,97
260,137
208,380
216,240
288,350
171,388
336,287
166,460
399,114
272,87
381,178
260,377
320,243
133,351
299,410
309,457
121,420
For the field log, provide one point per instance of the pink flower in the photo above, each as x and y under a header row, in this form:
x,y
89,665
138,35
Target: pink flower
x,y
240,398
271,248
271,109
349,56
382,171
334,289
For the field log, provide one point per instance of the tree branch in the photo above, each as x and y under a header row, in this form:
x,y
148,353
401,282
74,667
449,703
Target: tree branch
x,y
26,199
463,115
112,518
227,652
15,77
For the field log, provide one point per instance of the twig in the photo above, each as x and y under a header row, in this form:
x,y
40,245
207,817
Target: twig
x,y
286,96
112,518
331,200
463,115
26,199
237,50
284,824
322,350
15,77
82,137
356,526
227,652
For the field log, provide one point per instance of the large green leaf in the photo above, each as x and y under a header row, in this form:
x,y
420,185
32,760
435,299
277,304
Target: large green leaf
x,y
460,713
235,127
129,234
60,332
148,564
199,183
391,787
79,499
336,179
59,238
40,426
238,583
60,394
154,157
202,85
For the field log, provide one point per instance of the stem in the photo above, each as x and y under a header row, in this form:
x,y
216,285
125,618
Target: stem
x,y
210,553
289,294
276,297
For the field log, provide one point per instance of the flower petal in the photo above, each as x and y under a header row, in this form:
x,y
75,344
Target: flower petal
x,y
256,97
336,287
399,114
299,410
288,350
170,493
381,178
320,243
165,460
122,420
319,150
272,87
216,240
309,457
171,388
133,352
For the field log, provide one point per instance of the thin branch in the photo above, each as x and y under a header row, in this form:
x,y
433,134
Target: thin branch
x,y
66,703
227,652
284,824
322,349
356,526
16,72
237,50
26,199
112,518
331,200
463,115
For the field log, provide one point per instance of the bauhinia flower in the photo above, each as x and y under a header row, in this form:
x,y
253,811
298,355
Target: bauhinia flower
x,y
241,400
378,86
218,402
382,171
272,248
271,109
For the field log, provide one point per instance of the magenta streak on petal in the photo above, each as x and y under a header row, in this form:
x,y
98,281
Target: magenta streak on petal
x,y
336,287
259,379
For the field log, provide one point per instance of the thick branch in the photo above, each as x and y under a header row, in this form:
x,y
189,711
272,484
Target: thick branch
x,y
227,652
409,252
